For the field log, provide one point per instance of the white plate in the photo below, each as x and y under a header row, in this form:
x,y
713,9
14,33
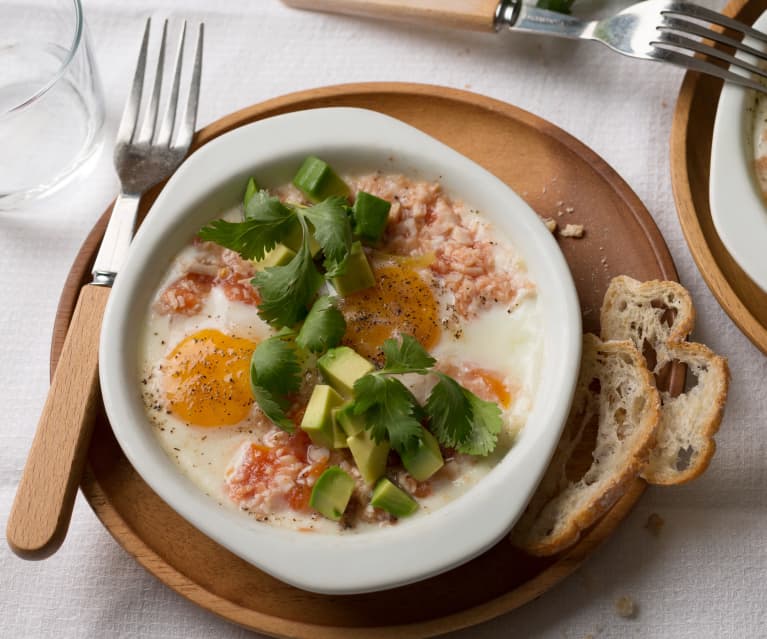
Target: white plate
x,y
210,181
738,209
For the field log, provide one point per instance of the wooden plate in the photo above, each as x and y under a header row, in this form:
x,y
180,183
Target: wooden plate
x,y
691,135
553,172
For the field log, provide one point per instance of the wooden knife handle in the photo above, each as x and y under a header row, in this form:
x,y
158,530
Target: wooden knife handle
x,y
44,499
477,15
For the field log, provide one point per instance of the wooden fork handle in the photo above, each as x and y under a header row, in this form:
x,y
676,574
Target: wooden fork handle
x,y
44,499
477,15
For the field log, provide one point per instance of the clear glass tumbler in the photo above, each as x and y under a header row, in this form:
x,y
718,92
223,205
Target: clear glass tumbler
x,y
51,103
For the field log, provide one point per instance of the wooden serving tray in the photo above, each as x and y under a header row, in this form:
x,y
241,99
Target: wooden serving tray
x,y
553,172
691,135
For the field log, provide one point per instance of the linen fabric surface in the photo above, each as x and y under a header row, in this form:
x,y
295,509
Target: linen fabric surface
x,y
704,575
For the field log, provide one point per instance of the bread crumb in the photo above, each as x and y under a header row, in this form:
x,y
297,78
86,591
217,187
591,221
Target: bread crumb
x,y
572,230
654,524
550,224
569,209
626,607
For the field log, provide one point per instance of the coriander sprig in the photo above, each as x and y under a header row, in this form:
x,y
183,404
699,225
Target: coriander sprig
x,y
277,363
287,291
457,417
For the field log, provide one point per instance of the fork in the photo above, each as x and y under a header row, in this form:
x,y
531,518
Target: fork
x,y
661,30
143,157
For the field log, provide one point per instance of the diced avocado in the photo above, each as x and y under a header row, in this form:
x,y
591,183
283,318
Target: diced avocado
x,y
350,423
370,457
341,367
370,215
391,498
318,181
331,493
294,236
250,191
278,256
318,418
339,436
358,274
425,460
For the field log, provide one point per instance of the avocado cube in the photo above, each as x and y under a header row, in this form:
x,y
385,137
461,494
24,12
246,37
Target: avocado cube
x,y
370,214
341,367
391,498
332,492
278,256
317,181
425,460
350,423
358,275
295,235
318,418
339,436
370,457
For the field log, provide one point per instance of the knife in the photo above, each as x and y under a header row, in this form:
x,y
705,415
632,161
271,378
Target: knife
x,y
476,15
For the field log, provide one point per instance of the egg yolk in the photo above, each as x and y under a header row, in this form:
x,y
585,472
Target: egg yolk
x,y
401,302
206,379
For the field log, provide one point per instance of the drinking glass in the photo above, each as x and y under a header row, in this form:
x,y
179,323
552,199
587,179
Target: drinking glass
x,y
51,104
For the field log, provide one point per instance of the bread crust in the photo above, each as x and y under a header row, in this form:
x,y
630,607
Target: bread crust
x,y
638,311
561,509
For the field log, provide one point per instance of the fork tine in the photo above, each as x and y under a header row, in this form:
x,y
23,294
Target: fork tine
x,y
694,11
150,118
130,114
697,64
693,45
169,119
685,27
186,130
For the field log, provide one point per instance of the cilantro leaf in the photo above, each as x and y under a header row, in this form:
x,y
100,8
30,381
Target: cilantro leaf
x,y
271,408
323,328
449,412
389,409
286,291
332,230
367,391
275,366
274,373
461,420
407,356
486,423
265,207
267,221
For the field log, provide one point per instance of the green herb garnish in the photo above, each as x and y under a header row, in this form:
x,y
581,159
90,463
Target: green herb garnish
x,y
286,291
323,328
276,364
457,417
275,373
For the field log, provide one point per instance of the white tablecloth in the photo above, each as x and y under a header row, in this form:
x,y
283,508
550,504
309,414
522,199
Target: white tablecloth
x,y
703,576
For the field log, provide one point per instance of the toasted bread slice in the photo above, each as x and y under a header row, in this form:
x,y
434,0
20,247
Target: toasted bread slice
x,y
657,317
616,391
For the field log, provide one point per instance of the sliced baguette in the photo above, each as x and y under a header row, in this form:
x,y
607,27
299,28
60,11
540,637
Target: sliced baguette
x,y
615,389
657,317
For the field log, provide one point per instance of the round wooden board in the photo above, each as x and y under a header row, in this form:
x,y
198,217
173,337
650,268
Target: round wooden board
x,y
551,170
691,135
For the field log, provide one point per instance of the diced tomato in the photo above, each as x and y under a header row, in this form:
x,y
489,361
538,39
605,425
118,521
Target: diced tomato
x,y
238,291
186,295
299,495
